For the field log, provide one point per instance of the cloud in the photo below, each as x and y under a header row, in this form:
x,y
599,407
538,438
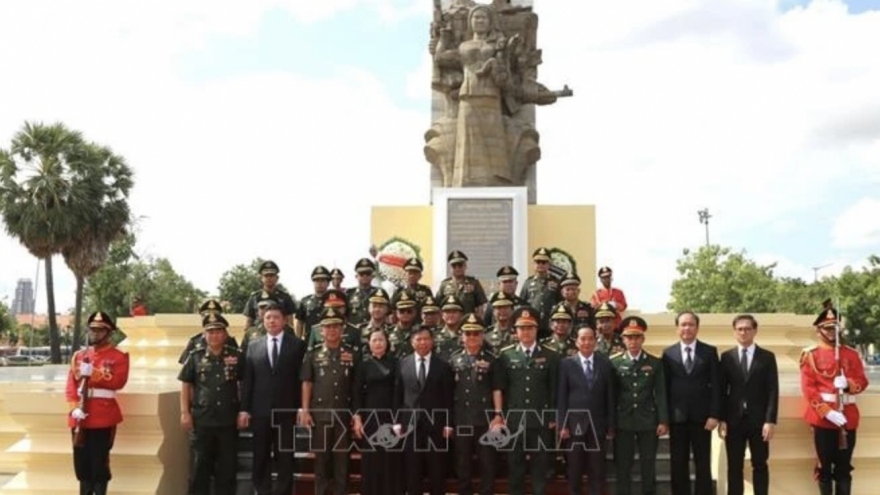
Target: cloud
x,y
859,226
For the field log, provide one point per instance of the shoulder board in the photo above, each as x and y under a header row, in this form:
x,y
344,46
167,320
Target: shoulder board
x,y
539,347
805,353
546,339
346,346
616,355
281,290
231,348
447,279
256,293
458,351
196,351
507,348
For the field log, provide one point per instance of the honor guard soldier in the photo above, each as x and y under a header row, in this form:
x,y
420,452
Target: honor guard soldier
x,y
359,297
269,278
507,281
336,278
830,383
351,334
258,330
609,341
327,386
501,334
467,289
561,339
612,295
430,312
447,340
379,309
405,308
197,341
642,415
478,406
96,374
414,268
308,312
541,290
529,375
581,312
209,405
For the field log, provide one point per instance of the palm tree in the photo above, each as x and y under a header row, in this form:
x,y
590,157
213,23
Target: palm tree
x,y
36,194
102,218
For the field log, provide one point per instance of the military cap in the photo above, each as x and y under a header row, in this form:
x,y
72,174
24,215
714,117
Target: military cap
x,y
101,319
456,256
379,296
606,311
570,278
525,317
404,299
265,300
268,267
365,265
500,299
451,303
214,320
633,325
320,273
541,254
414,265
210,306
331,315
561,312
472,324
828,317
605,271
827,303
334,299
429,305
507,273
336,272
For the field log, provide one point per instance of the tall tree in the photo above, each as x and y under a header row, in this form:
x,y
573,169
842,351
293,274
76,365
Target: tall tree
x,y
7,322
108,288
36,197
858,297
237,284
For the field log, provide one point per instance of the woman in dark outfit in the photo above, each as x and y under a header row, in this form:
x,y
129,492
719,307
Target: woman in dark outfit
x,y
381,469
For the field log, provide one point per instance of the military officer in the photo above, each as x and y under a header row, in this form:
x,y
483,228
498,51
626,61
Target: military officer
x,y
561,340
269,278
197,341
328,378
507,280
336,278
96,374
830,386
467,289
541,290
430,312
528,380
209,405
612,295
641,410
258,329
405,307
379,309
501,334
351,334
447,339
414,268
478,406
609,341
308,312
581,312
359,297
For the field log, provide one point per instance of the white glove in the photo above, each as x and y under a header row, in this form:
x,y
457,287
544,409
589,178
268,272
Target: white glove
x,y
612,304
836,417
85,369
78,414
840,382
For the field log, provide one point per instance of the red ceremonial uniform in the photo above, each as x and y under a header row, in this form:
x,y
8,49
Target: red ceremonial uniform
x,y
109,374
818,369
610,295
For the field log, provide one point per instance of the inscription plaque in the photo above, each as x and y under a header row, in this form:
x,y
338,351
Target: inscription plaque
x,y
483,230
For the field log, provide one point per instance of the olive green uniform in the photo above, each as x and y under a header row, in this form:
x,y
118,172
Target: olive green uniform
x,y
399,341
489,316
610,347
359,304
641,406
366,329
309,313
279,295
197,341
541,293
469,291
499,338
565,347
582,314
214,410
351,336
447,342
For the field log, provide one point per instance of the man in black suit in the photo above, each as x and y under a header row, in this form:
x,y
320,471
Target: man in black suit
x,y
693,387
424,398
270,398
750,401
585,411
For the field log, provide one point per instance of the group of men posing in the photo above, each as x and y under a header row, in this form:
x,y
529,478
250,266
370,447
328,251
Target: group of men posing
x,y
540,376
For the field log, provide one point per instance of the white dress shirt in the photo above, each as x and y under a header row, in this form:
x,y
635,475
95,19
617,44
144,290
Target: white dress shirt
x,y
684,353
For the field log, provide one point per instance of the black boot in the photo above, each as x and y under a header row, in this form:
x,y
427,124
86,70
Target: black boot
x,y
85,488
101,488
825,488
843,487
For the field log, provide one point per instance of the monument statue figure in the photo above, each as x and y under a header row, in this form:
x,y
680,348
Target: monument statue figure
x,y
485,64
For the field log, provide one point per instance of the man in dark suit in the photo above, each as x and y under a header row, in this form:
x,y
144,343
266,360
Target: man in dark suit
x,y
693,386
270,397
750,401
585,411
424,398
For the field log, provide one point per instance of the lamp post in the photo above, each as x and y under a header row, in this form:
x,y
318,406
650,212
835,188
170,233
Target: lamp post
x,y
816,271
704,219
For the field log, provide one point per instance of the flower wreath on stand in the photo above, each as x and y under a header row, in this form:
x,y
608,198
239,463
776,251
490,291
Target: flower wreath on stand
x,y
391,256
561,263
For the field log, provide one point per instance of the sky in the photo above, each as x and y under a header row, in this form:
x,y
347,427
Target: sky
x,y
270,127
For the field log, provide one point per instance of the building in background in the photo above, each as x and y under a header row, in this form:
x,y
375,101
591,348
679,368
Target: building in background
x,y
23,302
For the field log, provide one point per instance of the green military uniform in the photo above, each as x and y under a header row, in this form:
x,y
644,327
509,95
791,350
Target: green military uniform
x,y
641,406
541,292
468,290
285,300
581,312
475,382
379,297
447,340
528,380
359,297
351,334
505,274
419,291
308,311
428,307
562,344
214,407
498,337
331,372
399,336
611,346
197,341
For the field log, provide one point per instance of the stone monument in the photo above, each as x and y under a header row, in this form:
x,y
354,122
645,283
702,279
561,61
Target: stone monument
x,y
485,84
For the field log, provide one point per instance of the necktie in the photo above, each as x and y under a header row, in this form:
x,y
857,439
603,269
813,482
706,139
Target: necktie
x,y
422,372
589,371
528,354
689,361
274,351
744,362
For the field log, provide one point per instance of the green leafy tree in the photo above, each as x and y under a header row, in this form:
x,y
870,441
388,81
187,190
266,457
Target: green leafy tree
x,y
108,289
858,297
163,289
237,284
7,322
715,279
